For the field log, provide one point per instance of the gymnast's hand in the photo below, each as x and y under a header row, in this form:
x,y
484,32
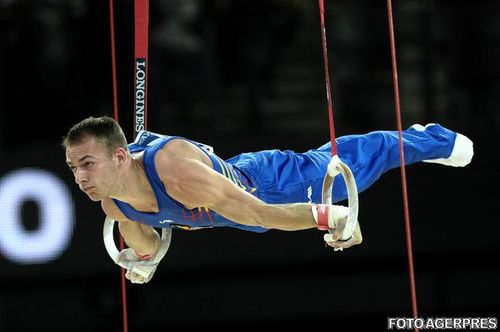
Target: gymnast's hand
x,y
355,239
329,217
140,268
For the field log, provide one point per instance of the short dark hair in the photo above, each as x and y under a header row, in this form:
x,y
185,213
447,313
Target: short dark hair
x,y
106,131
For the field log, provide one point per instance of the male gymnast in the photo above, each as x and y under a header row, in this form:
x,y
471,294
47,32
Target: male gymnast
x,y
168,181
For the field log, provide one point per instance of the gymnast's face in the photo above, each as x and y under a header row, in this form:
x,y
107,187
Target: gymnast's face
x,y
95,171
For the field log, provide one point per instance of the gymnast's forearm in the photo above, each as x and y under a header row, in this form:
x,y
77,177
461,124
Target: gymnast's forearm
x,y
142,238
286,217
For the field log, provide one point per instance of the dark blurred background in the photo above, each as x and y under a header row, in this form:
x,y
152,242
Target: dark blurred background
x,y
244,76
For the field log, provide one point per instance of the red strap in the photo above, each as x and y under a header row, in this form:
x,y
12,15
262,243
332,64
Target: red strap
x,y
141,12
141,28
322,210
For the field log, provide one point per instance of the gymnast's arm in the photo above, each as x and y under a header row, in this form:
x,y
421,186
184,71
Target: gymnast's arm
x,y
189,180
142,238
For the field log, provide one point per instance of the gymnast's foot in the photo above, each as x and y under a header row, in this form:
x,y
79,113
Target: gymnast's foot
x,y
460,156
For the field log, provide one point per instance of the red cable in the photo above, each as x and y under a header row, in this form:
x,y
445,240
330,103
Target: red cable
x,y
115,111
113,59
402,161
327,77
398,115
124,290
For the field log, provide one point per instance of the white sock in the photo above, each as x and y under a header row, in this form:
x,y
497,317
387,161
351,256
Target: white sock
x,y
460,156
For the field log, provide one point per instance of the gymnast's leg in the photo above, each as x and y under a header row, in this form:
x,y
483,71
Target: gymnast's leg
x,y
372,154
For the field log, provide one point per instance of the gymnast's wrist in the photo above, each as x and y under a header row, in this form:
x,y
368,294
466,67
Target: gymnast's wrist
x,y
142,256
328,215
320,214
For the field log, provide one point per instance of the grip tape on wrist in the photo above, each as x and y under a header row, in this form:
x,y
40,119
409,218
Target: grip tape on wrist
x,y
322,216
143,271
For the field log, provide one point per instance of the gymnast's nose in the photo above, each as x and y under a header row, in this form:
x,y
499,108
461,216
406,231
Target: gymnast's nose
x,y
80,177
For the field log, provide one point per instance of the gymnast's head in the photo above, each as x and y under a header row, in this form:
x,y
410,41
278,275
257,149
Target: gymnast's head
x,y
105,130
96,152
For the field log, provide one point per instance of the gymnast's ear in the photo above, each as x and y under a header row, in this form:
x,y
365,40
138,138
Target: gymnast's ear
x,y
121,155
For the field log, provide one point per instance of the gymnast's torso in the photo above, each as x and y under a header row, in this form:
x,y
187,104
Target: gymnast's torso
x,y
171,213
